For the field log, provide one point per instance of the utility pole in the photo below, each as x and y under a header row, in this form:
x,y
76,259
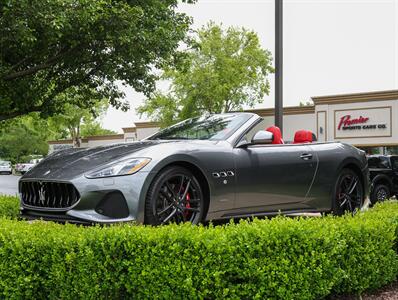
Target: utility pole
x,y
279,64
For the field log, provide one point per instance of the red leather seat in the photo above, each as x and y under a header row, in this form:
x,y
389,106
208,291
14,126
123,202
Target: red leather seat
x,y
277,134
302,136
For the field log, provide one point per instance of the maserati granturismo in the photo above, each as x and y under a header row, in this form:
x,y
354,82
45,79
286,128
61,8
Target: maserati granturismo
x,y
206,168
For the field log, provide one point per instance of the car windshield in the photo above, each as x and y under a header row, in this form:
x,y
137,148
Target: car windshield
x,y
4,163
214,127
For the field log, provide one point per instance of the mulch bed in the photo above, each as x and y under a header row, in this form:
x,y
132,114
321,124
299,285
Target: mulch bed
x,y
389,292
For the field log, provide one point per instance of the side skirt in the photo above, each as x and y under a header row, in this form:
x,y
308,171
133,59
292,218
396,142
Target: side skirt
x,y
300,212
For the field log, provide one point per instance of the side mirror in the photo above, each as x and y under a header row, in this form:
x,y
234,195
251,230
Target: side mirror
x,y
262,137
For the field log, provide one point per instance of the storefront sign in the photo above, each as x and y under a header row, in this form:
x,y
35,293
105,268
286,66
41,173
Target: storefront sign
x,y
363,123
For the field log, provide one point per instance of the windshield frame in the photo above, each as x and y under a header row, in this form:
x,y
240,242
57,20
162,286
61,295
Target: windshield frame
x,y
247,117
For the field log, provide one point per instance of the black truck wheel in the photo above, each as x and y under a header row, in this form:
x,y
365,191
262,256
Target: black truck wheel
x,y
380,193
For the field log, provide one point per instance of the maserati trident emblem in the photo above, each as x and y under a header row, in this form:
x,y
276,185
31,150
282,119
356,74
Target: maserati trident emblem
x,y
42,193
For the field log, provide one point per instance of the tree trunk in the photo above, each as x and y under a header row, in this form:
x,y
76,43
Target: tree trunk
x,y
78,141
75,135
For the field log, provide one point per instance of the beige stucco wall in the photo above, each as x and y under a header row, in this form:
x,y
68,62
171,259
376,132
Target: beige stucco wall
x,y
95,143
143,133
292,123
130,136
57,147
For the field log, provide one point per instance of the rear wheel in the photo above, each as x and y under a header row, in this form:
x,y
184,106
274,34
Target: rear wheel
x,y
348,193
175,196
380,193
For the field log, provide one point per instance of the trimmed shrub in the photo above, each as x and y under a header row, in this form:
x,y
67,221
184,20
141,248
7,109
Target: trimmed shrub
x,y
9,206
280,258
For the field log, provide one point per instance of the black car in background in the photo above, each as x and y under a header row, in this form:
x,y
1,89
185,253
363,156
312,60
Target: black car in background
x,y
384,176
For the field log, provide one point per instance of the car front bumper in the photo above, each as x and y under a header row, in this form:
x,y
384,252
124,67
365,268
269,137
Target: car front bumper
x,y
102,201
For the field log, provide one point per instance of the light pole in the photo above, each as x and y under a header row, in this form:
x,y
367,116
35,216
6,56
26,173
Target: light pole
x,y
279,64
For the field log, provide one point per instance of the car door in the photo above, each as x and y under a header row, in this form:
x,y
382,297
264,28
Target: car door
x,y
273,177
394,164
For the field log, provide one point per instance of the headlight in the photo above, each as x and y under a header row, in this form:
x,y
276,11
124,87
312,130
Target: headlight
x,y
124,167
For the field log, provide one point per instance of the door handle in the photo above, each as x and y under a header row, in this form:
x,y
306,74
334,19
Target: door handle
x,y
306,156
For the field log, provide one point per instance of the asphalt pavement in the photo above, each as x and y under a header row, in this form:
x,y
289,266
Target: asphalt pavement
x,y
9,184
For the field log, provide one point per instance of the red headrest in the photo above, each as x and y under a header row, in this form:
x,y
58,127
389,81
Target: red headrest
x,y
302,136
277,134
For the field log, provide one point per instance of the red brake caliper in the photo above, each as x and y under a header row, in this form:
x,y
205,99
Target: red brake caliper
x,y
187,205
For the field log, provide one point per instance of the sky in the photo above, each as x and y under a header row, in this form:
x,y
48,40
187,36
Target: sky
x,y
330,46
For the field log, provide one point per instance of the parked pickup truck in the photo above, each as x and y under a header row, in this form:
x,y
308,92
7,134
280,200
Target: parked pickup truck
x,y
384,176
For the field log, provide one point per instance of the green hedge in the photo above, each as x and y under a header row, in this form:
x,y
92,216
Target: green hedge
x,y
9,206
281,258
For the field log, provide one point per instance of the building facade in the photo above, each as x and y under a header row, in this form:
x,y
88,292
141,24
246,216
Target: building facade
x,y
366,120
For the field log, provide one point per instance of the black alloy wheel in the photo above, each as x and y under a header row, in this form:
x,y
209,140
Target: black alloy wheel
x,y
349,195
175,196
380,193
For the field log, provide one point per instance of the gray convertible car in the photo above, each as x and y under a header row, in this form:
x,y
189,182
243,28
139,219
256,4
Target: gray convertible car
x,y
213,167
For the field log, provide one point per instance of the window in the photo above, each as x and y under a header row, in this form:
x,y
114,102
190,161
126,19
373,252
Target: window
x,y
379,162
394,162
392,150
371,150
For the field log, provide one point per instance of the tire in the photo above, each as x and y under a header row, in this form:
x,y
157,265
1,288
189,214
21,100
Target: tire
x,y
175,196
380,193
348,195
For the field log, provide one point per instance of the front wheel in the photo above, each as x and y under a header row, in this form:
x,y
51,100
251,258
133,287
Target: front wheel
x,y
348,193
175,196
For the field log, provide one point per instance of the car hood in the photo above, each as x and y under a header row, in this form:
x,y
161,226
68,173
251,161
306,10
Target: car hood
x,y
68,164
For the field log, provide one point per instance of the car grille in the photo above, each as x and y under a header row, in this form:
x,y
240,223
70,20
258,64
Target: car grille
x,y
48,194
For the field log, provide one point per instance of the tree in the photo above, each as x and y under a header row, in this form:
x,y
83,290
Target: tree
x,y
94,128
26,136
75,120
23,137
49,46
221,71
306,103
